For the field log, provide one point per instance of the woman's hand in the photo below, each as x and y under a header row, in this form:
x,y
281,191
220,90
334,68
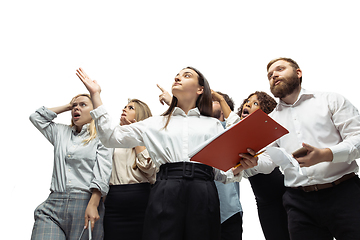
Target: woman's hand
x,y
92,215
126,121
91,212
61,109
92,86
249,160
165,96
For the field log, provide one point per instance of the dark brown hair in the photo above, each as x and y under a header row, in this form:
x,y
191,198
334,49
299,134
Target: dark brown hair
x,y
228,100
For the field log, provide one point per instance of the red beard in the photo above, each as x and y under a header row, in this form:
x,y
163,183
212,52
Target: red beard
x,y
286,86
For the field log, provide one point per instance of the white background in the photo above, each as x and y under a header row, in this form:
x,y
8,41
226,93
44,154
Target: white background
x,y
129,46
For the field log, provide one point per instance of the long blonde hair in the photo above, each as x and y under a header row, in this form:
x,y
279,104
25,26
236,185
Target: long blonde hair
x,y
142,110
91,128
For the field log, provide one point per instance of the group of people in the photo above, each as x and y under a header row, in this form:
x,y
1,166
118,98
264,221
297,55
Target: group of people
x,y
135,180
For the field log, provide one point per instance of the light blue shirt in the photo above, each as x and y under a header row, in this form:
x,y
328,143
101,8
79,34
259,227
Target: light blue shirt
x,y
78,167
229,195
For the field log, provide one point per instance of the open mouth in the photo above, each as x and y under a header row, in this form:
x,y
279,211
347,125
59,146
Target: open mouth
x,y
245,113
76,116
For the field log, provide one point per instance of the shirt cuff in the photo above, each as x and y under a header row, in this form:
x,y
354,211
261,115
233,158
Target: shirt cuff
x,y
250,172
142,160
232,119
230,177
341,154
101,186
143,156
98,112
46,113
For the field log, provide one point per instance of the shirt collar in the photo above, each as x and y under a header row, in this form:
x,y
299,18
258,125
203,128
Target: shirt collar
x,y
192,112
84,130
303,95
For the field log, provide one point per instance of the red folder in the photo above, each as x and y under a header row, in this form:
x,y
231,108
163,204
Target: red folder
x,y
256,131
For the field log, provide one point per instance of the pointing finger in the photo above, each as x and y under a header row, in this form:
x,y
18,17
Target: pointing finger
x,y
163,90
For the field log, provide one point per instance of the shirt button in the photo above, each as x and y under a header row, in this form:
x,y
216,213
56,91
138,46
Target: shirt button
x,y
69,181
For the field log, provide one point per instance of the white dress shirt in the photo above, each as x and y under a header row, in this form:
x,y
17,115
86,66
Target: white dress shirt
x,y
78,167
323,120
173,144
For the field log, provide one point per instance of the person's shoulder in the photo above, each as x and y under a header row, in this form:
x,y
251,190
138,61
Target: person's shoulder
x,y
152,122
329,96
210,120
326,94
154,118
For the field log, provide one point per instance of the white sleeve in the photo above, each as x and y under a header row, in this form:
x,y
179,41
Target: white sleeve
x,y
127,136
232,119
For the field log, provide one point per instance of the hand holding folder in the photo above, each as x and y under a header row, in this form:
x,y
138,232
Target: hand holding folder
x,y
255,132
253,156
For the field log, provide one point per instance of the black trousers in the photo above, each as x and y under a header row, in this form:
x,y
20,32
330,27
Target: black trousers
x,y
269,190
183,204
324,214
125,207
231,228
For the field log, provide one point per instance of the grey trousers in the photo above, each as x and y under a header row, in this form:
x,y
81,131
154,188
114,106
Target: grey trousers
x,y
62,217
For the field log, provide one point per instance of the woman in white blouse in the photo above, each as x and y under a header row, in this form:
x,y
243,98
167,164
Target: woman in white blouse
x,y
82,168
132,173
184,202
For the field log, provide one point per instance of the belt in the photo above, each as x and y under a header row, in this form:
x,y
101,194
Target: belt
x,y
185,170
318,187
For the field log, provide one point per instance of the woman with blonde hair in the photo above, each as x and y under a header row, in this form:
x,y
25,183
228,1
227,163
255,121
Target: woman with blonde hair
x,y
82,167
133,172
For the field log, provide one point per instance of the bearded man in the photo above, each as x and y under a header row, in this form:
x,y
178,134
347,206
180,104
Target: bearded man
x,y
322,199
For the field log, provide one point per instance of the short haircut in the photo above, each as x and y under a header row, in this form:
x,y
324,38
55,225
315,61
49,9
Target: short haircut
x,y
289,60
228,100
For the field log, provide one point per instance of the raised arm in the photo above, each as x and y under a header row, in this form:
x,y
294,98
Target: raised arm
x,y
61,109
43,118
224,106
92,86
